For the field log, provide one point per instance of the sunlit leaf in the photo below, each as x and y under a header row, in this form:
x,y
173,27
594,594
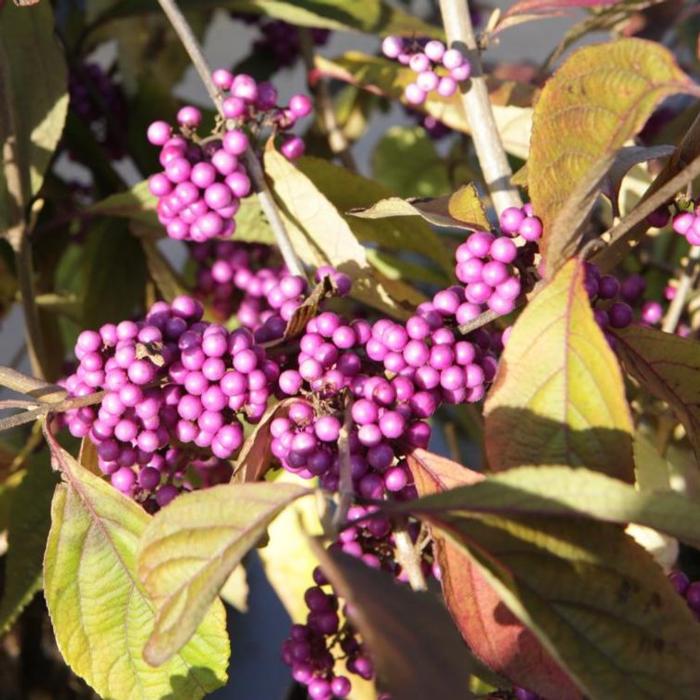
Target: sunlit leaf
x,y
190,548
321,236
542,408
600,97
669,368
100,613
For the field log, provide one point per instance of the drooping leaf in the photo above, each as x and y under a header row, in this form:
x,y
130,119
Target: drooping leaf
x,y
381,76
29,519
600,97
529,10
427,176
161,271
100,613
594,599
462,209
669,368
347,190
412,640
321,236
190,548
541,408
33,105
493,633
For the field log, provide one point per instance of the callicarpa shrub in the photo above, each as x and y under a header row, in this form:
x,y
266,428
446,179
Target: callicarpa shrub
x,y
405,336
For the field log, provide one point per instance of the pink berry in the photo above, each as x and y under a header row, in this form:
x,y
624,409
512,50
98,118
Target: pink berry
x,y
158,133
452,58
414,95
392,46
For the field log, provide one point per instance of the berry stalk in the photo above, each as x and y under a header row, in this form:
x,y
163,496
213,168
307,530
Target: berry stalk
x,y
191,45
487,141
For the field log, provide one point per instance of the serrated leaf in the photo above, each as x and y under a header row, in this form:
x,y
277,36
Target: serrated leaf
x,y
347,190
100,613
29,520
558,396
321,236
31,118
669,368
493,633
600,97
191,547
427,176
381,76
462,209
595,600
413,642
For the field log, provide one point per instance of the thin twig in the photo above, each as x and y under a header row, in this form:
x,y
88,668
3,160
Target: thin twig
x,y
408,557
345,488
193,49
36,388
685,284
477,107
45,408
337,141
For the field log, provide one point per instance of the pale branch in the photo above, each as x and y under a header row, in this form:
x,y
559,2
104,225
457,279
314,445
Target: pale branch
x,y
193,49
337,141
408,557
685,285
477,107
24,384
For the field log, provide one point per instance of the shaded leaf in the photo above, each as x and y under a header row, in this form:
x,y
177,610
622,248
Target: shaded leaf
x,y
347,190
541,408
321,236
669,368
595,600
427,176
651,469
29,520
599,98
413,642
462,209
100,614
190,548
136,204
309,307
167,280
529,10
31,118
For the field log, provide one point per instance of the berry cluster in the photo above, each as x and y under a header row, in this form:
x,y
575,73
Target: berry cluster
x,y
282,42
687,224
169,378
689,591
203,179
611,298
430,60
99,102
521,221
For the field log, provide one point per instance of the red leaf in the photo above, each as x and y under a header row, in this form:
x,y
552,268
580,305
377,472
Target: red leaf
x,y
492,632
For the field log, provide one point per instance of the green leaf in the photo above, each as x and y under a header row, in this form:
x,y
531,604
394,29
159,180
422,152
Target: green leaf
x,y
600,97
570,493
594,599
29,520
426,177
33,105
347,190
166,279
191,548
321,236
413,642
669,368
462,209
370,16
100,613
114,269
380,76
558,396
652,471
136,204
